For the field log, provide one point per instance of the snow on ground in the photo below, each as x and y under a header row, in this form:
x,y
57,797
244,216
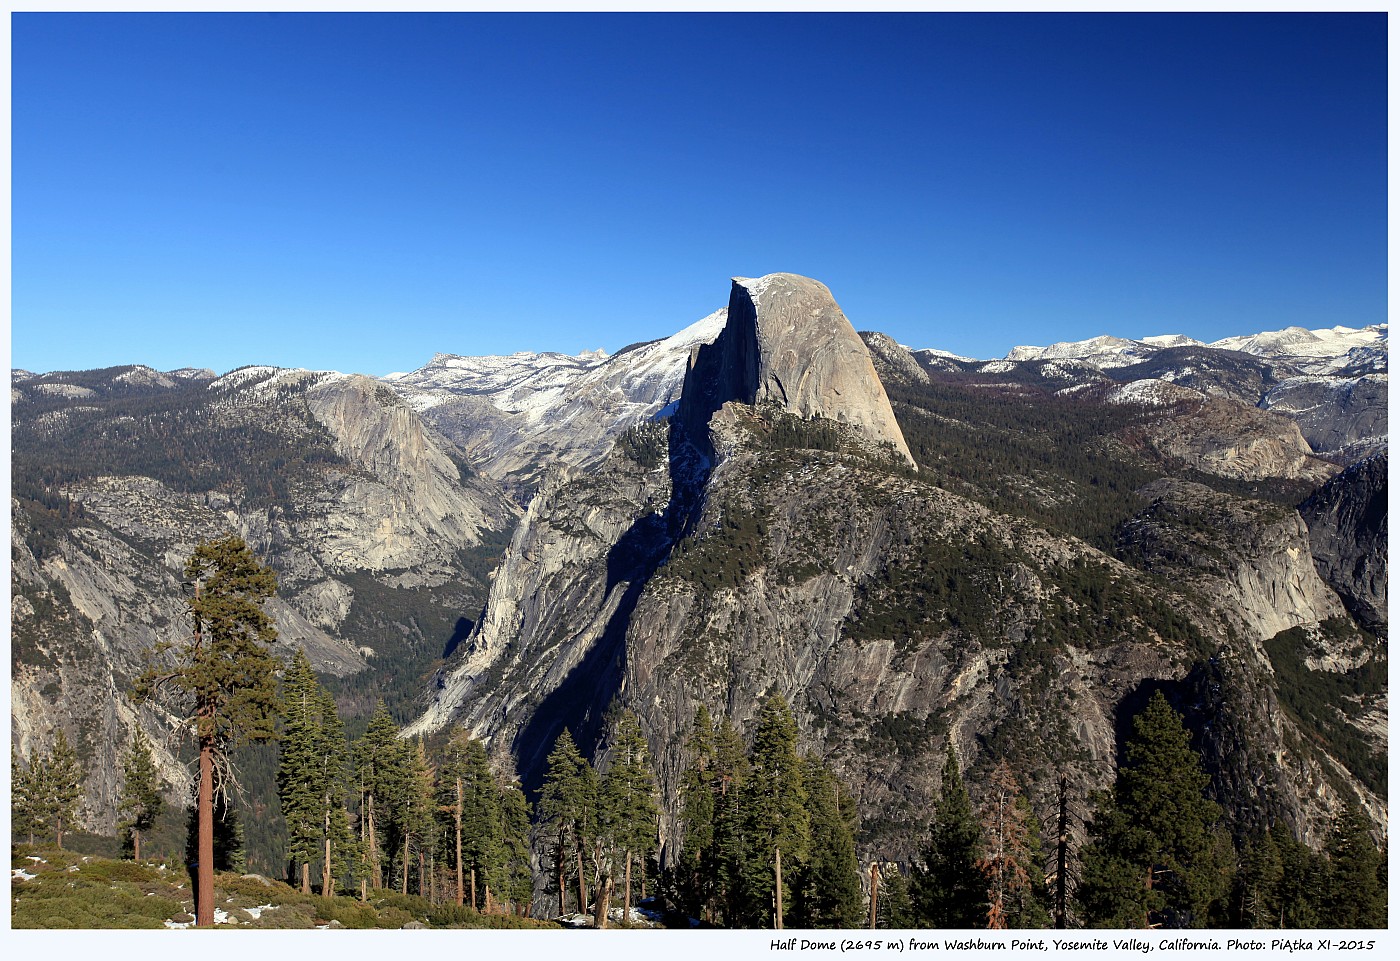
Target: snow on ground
x,y
1152,393
1102,351
235,378
1300,342
1171,340
256,912
291,377
945,354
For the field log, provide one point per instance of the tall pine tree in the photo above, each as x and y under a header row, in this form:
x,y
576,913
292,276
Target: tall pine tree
x,y
312,778
730,785
568,812
225,673
695,874
517,878
27,817
1011,855
948,890
1154,858
775,822
1355,890
470,799
381,768
629,811
414,818
140,802
61,780
828,885
299,771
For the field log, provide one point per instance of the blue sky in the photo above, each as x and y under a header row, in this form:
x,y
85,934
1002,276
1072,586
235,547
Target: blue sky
x,y
357,192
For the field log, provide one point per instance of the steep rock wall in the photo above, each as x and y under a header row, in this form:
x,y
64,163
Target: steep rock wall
x,y
787,343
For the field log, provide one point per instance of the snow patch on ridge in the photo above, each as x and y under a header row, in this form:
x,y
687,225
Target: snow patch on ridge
x,y
1152,392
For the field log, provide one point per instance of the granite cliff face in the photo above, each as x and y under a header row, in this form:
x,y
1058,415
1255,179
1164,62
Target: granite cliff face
x,y
1348,528
787,344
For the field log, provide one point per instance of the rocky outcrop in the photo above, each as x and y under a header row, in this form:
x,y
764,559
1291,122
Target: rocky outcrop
x,y
786,580
1347,523
890,613
893,361
786,343
1226,438
1251,558
1337,415
408,503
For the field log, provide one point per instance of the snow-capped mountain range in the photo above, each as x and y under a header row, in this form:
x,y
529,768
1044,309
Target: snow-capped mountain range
x,y
1327,351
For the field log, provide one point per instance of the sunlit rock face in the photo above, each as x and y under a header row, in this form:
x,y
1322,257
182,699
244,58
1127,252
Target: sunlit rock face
x,y
788,344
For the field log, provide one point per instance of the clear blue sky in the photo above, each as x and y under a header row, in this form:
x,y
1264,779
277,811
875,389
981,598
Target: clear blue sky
x,y
359,191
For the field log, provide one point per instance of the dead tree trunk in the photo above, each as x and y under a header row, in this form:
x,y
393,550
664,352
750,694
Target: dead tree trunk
x,y
600,904
457,819
582,890
1062,859
778,888
874,891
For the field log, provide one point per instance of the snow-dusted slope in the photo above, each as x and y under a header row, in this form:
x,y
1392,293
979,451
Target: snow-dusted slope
x,y
1171,340
1103,352
522,383
513,415
1314,351
1332,381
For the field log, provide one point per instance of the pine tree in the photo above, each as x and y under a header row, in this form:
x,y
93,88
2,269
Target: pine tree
x,y
226,674
776,827
1355,893
517,879
452,774
311,777
1033,906
695,875
948,890
414,817
299,771
828,891
1003,857
629,812
1255,899
1157,827
339,853
895,906
567,810
1302,883
730,785
469,795
27,816
61,779
1010,858
141,801
381,763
